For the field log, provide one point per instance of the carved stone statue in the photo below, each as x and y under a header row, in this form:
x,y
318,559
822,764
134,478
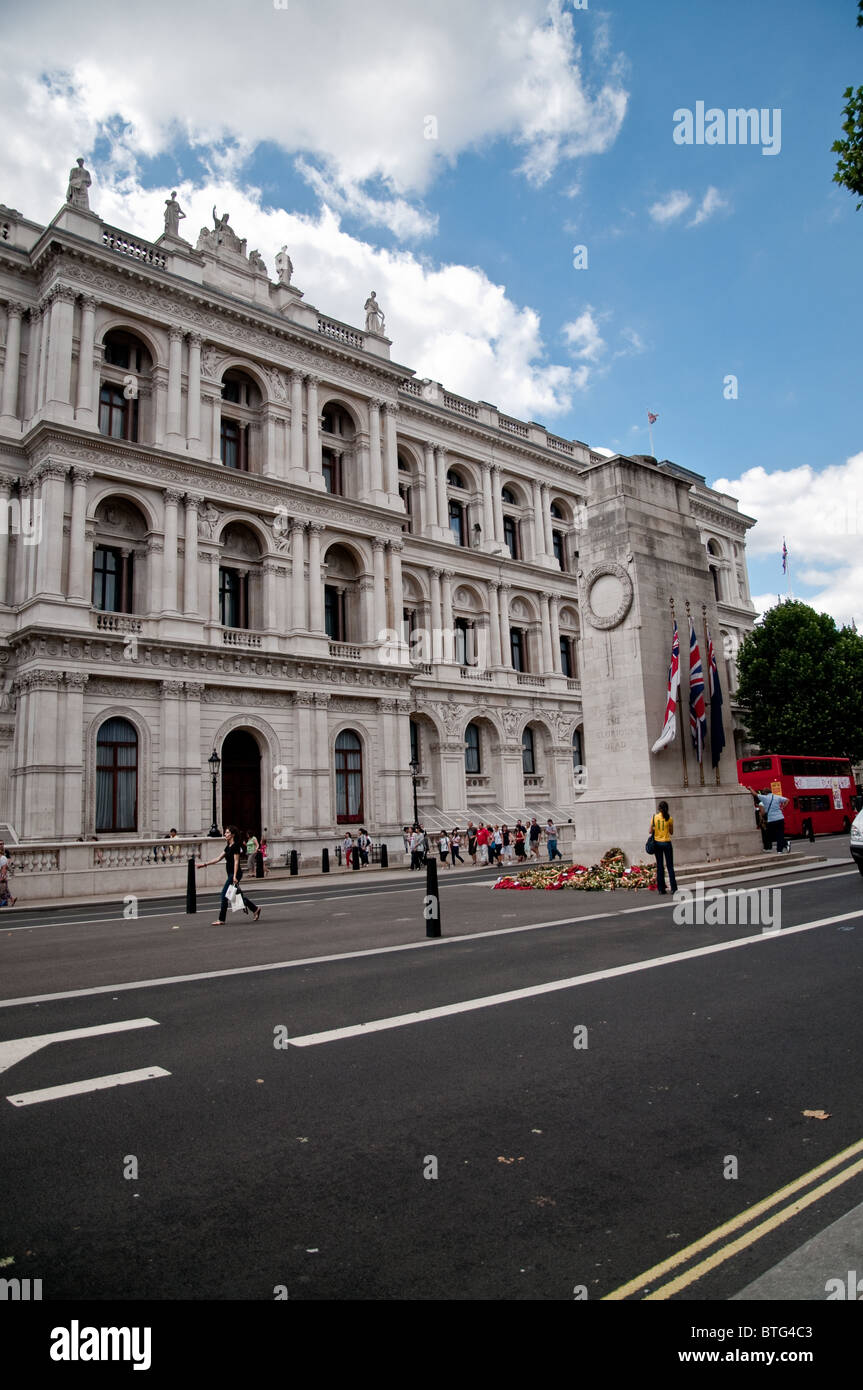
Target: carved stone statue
x,y
79,182
284,267
256,261
221,238
374,315
173,213
208,520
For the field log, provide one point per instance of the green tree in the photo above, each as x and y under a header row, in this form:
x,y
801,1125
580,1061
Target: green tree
x,y
801,684
849,165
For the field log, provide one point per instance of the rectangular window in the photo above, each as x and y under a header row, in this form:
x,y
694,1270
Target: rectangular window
x,y
112,580
510,536
235,440
558,547
517,649
334,613
233,598
471,749
566,656
456,521
331,467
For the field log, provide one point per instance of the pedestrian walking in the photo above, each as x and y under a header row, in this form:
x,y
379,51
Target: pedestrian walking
x,y
662,829
347,848
471,841
551,840
533,835
772,805
519,843
443,848
264,855
506,841
455,846
495,848
482,838
364,844
231,856
6,898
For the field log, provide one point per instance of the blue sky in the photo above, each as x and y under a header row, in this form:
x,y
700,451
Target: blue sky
x,y
554,129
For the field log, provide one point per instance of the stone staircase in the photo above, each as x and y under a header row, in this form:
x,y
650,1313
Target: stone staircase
x,y
712,870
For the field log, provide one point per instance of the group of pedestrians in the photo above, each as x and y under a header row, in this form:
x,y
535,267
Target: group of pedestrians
x,y
485,843
6,897
361,847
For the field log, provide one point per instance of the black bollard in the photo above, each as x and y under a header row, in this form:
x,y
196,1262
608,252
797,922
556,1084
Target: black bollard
x,y
259,865
325,860
191,887
431,903
355,857
385,856
295,867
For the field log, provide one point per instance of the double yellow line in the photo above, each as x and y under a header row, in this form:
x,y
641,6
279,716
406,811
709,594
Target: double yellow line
x,y
726,1252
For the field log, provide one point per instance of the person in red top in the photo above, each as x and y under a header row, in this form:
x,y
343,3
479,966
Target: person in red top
x,y
482,839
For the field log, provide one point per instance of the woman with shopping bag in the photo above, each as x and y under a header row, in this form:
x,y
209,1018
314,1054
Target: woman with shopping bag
x,y
231,856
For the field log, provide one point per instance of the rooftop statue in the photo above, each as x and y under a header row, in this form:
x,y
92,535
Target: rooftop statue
x,y
79,182
173,213
284,267
374,315
222,237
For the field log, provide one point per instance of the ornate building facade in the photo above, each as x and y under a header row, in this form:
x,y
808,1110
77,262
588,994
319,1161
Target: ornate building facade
x,y
236,526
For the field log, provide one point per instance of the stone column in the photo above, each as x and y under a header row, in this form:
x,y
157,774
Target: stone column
x,y
379,619
431,488
169,568
316,586
193,407
190,563
50,545
58,383
545,621
210,559
34,353
298,576
159,388
397,587
497,502
215,428
9,398
554,613
85,405
193,812
361,443
448,641
5,489
175,359
271,571
494,622
154,587
368,606
171,769
313,437
539,529
442,504
77,587
487,506
70,750
546,519
503,600
436,611
43,354
391,457
375,464
296,462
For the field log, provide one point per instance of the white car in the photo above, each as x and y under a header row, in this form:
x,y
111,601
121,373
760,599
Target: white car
x,y
857,841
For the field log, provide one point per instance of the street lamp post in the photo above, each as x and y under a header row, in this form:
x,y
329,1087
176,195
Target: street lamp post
x,y
415,767
215,763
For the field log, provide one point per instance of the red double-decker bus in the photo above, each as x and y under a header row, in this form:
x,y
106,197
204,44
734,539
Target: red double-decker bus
x,y
820,791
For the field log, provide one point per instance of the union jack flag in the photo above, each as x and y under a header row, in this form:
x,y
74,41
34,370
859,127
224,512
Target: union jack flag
x,y
669,728
717,732
784,556
651,418
697,710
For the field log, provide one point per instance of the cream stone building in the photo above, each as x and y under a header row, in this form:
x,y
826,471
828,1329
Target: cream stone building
x,y
234,525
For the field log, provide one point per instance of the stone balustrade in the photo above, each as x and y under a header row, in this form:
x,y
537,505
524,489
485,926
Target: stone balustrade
x,y
118,241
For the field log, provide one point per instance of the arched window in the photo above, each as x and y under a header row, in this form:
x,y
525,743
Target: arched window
x,y
349,777
528,759
241,402
126,367
117,776
337,452
240,578
454,479
471,749
508,497
119,546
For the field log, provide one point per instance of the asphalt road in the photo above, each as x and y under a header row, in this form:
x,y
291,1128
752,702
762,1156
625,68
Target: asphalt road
x,y
494,1151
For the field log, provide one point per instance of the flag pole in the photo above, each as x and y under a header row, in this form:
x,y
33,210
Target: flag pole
x,y
650,435
680,712
709,682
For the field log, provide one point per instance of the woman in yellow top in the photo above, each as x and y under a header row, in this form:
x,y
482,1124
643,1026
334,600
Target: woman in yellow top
x,y
662,829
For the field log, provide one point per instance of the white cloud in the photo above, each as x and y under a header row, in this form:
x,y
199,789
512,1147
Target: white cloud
x,y
820,517
673,205
349,87
711,202
584,337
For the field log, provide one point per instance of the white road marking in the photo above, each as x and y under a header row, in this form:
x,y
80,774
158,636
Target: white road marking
x,y
16,1049
80,1088
489,1000
428,943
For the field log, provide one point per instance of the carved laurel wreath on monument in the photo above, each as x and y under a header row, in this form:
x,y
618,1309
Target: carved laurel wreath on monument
x,y
609,595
